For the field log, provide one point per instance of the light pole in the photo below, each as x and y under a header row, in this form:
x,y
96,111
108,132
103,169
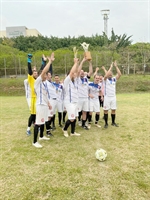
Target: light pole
x,y
105,14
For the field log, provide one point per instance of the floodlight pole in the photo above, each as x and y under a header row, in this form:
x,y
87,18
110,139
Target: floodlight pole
x,y
105,14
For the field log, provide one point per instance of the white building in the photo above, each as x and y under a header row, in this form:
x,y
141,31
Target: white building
x,y
16,31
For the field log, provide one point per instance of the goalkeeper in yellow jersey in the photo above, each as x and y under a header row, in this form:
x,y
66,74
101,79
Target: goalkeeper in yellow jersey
x,y
32,76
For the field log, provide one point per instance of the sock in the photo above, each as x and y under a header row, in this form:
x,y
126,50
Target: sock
x,y
96,118
36,129
59,117
47,125
83,122
72,127
28,129
64,115
80,114
67,124
89,118
41,130
53,120
106,118
113,116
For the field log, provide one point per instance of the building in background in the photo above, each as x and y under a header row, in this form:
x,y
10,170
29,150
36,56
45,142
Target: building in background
x,y
16,31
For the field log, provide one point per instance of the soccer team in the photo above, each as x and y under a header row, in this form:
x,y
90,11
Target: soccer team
x,y
76,96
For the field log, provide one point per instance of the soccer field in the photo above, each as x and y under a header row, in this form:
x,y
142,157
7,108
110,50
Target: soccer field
x,y
66,168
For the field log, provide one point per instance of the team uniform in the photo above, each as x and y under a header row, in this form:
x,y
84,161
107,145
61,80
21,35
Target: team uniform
x,y
27,92
59,93
31,81
110,94
42,101
52,97
83,94
94,89
71,97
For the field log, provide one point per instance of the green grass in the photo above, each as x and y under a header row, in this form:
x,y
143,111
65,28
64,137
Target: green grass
x,y
66,168
131,83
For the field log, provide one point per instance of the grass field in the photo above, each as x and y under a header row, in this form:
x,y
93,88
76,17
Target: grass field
x,y
66,168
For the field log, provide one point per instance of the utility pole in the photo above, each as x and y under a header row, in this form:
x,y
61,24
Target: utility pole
x,y
105,14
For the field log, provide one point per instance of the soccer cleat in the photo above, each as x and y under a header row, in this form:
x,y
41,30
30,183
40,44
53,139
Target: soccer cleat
x,y
37,145
114,124
75,134
49,134
85,127
61,126
28,132
44,138
53,128
65,133
106,126
98,125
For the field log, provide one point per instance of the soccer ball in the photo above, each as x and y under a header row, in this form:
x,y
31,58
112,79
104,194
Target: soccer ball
x,y
100,154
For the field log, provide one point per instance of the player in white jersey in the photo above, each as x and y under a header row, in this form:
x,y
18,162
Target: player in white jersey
x,y
27,92
94,91
83,89
71,99
42,103
110,94
59,92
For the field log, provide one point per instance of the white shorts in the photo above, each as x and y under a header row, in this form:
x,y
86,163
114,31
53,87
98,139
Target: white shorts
x,y
64,107
110,103
83,104
59,106
41,114
72,110
94,106
54,106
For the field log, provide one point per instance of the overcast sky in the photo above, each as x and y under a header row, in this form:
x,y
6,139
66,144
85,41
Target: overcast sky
x,y
82,17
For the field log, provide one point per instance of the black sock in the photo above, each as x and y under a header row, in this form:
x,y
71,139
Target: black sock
x,y
31,120
53,120
36,129
106,118
64,115
80,114
59,117
83,122
67,124
113,116
47,125
89,118
41,130
72,127
96,118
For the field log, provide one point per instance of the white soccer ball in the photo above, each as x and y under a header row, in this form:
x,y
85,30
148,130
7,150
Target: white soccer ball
x,y
100,154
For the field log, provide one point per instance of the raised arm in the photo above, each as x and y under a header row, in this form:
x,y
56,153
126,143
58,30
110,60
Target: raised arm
x,y
103,68
80,66
96,70
118,71
108,72
46,68
90,68
29,64
74,67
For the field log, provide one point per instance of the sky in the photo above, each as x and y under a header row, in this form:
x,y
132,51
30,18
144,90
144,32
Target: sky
x,y
74,18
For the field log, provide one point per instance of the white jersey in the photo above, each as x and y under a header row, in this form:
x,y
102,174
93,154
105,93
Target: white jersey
x,y
59,91
41,90
94,89
83,87
70,90
27,89
110,87
52,90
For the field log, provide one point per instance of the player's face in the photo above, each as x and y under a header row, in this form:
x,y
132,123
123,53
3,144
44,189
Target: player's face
x,y
82,74
100,78
96,80
35,74
57,80
49,76
110,75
